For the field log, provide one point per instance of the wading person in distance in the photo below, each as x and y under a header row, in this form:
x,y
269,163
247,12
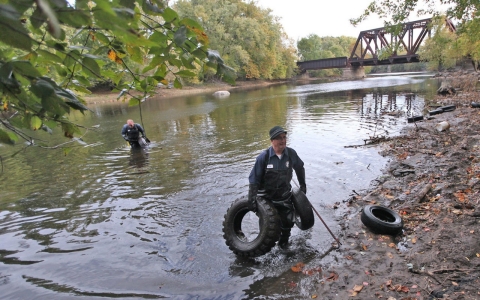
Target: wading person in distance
x,y
134,134
271,176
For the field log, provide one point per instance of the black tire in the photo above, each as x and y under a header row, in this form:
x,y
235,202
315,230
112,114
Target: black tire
x,y
382,220
414,119
448,108
269,228
435,112
304,218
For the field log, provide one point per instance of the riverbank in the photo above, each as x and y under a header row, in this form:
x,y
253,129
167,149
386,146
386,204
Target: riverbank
x,y
168,93
433,183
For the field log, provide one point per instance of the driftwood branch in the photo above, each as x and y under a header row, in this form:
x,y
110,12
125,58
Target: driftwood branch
x,y
421,194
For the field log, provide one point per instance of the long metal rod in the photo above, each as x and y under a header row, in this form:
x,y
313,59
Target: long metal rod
x,y
325,224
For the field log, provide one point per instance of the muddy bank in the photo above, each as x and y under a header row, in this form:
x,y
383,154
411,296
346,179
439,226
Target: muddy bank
x,y
166,93
433,182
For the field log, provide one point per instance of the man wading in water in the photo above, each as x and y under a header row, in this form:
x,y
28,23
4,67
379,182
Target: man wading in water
x,y
270,178
131,133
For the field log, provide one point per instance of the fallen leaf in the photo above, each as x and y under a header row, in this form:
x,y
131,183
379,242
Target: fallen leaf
x,y
404,289
357,288
390,255
478,254
460,196
426,229
298,267
314,296
414,240
349,257
457,211
392,245
333,276
313,271
364,247
454,283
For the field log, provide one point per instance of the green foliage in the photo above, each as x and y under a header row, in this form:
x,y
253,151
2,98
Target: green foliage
x,y
249,38
314,47
52,51
440,50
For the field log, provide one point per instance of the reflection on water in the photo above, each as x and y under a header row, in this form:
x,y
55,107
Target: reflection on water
x,y
109,221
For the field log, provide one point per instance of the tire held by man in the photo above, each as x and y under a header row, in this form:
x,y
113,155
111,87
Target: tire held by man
x,y
304,218
269,228
381,220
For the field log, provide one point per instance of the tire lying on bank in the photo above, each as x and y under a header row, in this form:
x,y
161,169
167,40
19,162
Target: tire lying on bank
x,y
304,218
381,220
269,228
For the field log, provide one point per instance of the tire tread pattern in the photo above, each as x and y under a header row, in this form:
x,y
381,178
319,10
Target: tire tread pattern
x,y
269,228
381,220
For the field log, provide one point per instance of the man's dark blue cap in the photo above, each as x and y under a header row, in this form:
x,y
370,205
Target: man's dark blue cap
x,y
275,131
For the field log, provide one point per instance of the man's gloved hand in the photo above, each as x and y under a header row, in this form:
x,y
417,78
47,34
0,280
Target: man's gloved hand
x,y
252,197
303,188
125,138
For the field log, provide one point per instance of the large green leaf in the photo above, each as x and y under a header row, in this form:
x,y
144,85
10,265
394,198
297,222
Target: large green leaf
x,y
54,106
169,15
7,137
12,31
180,36
185,73
106,6
133,102
91,67
25,68
42,88
49,56
7,79
35,123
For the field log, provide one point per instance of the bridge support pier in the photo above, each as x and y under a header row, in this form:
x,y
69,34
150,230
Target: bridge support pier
x,y
356,72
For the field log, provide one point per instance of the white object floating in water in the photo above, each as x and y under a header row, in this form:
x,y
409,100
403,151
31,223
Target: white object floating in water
x,y
221,94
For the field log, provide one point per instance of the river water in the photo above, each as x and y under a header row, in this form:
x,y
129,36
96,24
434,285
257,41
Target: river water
x,y
104,222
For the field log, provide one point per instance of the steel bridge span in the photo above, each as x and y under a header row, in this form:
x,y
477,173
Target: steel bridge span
x,y
371,43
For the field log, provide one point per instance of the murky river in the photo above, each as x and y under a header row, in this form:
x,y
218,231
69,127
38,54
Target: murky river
x,y
105,222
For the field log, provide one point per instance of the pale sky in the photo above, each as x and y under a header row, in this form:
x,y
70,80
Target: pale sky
x,y
300,18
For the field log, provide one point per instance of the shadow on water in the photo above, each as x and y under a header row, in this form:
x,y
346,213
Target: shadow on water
x,y
107,221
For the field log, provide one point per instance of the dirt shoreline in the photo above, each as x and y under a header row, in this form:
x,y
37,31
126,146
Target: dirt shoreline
x,y
438,254
168,93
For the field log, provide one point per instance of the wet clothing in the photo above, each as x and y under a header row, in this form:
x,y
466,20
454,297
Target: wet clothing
x,y
133,134
273,175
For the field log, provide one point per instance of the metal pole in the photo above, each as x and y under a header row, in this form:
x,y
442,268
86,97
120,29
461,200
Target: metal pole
x,y
316,212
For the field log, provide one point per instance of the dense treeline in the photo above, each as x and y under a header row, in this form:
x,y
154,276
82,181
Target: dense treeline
x,y
250,39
